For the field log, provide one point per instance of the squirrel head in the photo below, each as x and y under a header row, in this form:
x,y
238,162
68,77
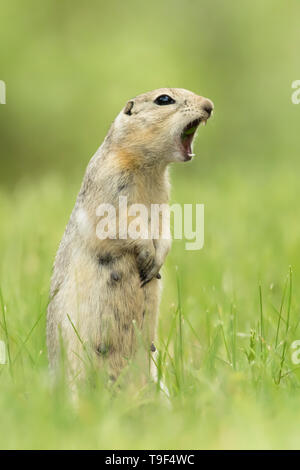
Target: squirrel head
x,y
159,126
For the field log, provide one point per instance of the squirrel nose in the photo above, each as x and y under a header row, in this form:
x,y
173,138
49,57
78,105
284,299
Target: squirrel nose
x,y
207,106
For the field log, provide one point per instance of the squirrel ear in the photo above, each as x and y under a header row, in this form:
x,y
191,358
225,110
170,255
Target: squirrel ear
x,y
128,108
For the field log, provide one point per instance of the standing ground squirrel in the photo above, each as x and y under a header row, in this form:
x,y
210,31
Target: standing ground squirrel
x,y
105,290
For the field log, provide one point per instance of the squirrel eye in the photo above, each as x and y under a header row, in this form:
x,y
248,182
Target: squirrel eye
x,y
163,100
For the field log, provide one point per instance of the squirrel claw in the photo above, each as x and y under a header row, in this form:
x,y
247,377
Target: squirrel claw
x,y
145,281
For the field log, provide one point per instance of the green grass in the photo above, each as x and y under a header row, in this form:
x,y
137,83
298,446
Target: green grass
x,y
229,314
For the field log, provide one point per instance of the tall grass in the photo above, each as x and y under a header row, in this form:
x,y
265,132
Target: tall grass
x,y
229,314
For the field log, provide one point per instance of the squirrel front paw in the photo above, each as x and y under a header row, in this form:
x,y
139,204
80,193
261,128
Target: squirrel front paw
x,y
153,274
147,266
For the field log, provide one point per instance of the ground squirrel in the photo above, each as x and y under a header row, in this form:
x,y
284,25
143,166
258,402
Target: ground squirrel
x,y
105,290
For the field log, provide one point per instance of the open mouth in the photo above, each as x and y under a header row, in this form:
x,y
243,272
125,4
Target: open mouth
x,y
187,137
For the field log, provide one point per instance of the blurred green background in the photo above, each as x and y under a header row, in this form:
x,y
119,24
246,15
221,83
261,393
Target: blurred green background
x,y
69,67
